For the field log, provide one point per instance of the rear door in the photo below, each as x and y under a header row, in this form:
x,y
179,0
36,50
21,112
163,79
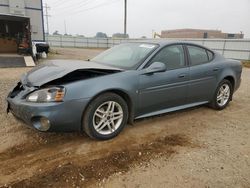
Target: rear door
x,y
203,74
167,89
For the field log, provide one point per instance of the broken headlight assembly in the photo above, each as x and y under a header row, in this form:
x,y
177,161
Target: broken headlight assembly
x,y
52,94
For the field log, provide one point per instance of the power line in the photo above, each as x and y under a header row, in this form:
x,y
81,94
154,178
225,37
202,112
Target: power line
x,y
84,3
91,8
76,6
60,2
63,5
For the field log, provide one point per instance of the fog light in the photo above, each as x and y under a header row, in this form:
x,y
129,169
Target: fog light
x,y
42,124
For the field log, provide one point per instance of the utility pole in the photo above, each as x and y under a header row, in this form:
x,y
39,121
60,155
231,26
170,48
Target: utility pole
x,y
47,16
65,27
125,18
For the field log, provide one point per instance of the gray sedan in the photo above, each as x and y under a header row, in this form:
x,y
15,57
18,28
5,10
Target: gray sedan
x,y
127,82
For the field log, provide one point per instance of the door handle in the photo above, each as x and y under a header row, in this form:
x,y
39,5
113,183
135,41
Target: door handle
x,y
215,69
182,76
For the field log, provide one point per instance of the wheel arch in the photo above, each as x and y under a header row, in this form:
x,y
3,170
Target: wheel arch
x,y
228,74
122,94
231,80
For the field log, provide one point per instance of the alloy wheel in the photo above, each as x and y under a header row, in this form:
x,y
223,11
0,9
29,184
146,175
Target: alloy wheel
x,y
223,95
108,117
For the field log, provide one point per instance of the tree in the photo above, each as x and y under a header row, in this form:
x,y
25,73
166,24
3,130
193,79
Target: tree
x,y
120,35
101,35
56,33
67,35
80,35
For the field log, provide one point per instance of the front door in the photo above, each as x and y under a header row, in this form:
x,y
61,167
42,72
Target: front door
x,y
167,89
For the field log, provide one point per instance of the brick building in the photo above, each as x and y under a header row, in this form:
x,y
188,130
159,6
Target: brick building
x,y
199,33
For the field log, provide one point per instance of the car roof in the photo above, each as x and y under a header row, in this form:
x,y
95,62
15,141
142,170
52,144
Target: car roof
x,y
162,42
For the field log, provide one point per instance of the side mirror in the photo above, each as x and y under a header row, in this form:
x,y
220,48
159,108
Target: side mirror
x,y
155,67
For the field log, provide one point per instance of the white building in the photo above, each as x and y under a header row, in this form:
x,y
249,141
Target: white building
x,y
31,9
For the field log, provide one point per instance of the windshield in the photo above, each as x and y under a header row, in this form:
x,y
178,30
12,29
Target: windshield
x,y
126,56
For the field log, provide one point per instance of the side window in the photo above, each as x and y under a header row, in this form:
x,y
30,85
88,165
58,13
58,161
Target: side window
x,y
198,55
173,56
210,55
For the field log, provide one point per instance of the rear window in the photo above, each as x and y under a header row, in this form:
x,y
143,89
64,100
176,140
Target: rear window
x,y
197,55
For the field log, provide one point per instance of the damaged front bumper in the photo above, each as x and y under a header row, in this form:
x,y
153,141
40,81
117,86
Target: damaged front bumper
x,y
53,117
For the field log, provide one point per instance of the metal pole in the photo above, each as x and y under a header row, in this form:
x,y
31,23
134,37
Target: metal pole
x,y
47,16
65,28
224,47
47,19
125,18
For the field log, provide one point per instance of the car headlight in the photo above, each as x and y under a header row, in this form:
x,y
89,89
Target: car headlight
x,y
52,94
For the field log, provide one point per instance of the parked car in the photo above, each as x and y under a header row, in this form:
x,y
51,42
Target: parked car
x,y
127,82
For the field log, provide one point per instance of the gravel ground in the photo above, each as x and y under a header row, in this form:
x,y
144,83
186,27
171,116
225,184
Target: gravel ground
x,y
197,147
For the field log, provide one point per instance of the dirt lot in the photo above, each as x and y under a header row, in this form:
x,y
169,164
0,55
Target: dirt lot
x,y
197,147
246,63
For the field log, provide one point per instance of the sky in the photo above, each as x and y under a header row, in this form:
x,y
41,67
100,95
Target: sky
x,y
87,17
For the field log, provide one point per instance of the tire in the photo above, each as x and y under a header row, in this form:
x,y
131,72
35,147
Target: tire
x,y
221,100
105,117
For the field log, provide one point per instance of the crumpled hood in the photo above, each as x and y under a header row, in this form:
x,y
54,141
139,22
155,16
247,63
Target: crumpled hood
x,y
55,69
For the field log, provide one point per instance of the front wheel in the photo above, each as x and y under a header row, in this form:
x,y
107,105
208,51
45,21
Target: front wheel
x,y
105,116
223,95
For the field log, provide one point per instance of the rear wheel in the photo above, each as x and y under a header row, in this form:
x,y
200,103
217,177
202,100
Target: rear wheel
x,y
105,117
223,95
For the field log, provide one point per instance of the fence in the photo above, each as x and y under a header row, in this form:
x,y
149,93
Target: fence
x,y
230,48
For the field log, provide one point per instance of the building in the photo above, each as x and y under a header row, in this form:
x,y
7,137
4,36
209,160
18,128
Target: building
x,y
21,22
31,9
199,33
22,37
